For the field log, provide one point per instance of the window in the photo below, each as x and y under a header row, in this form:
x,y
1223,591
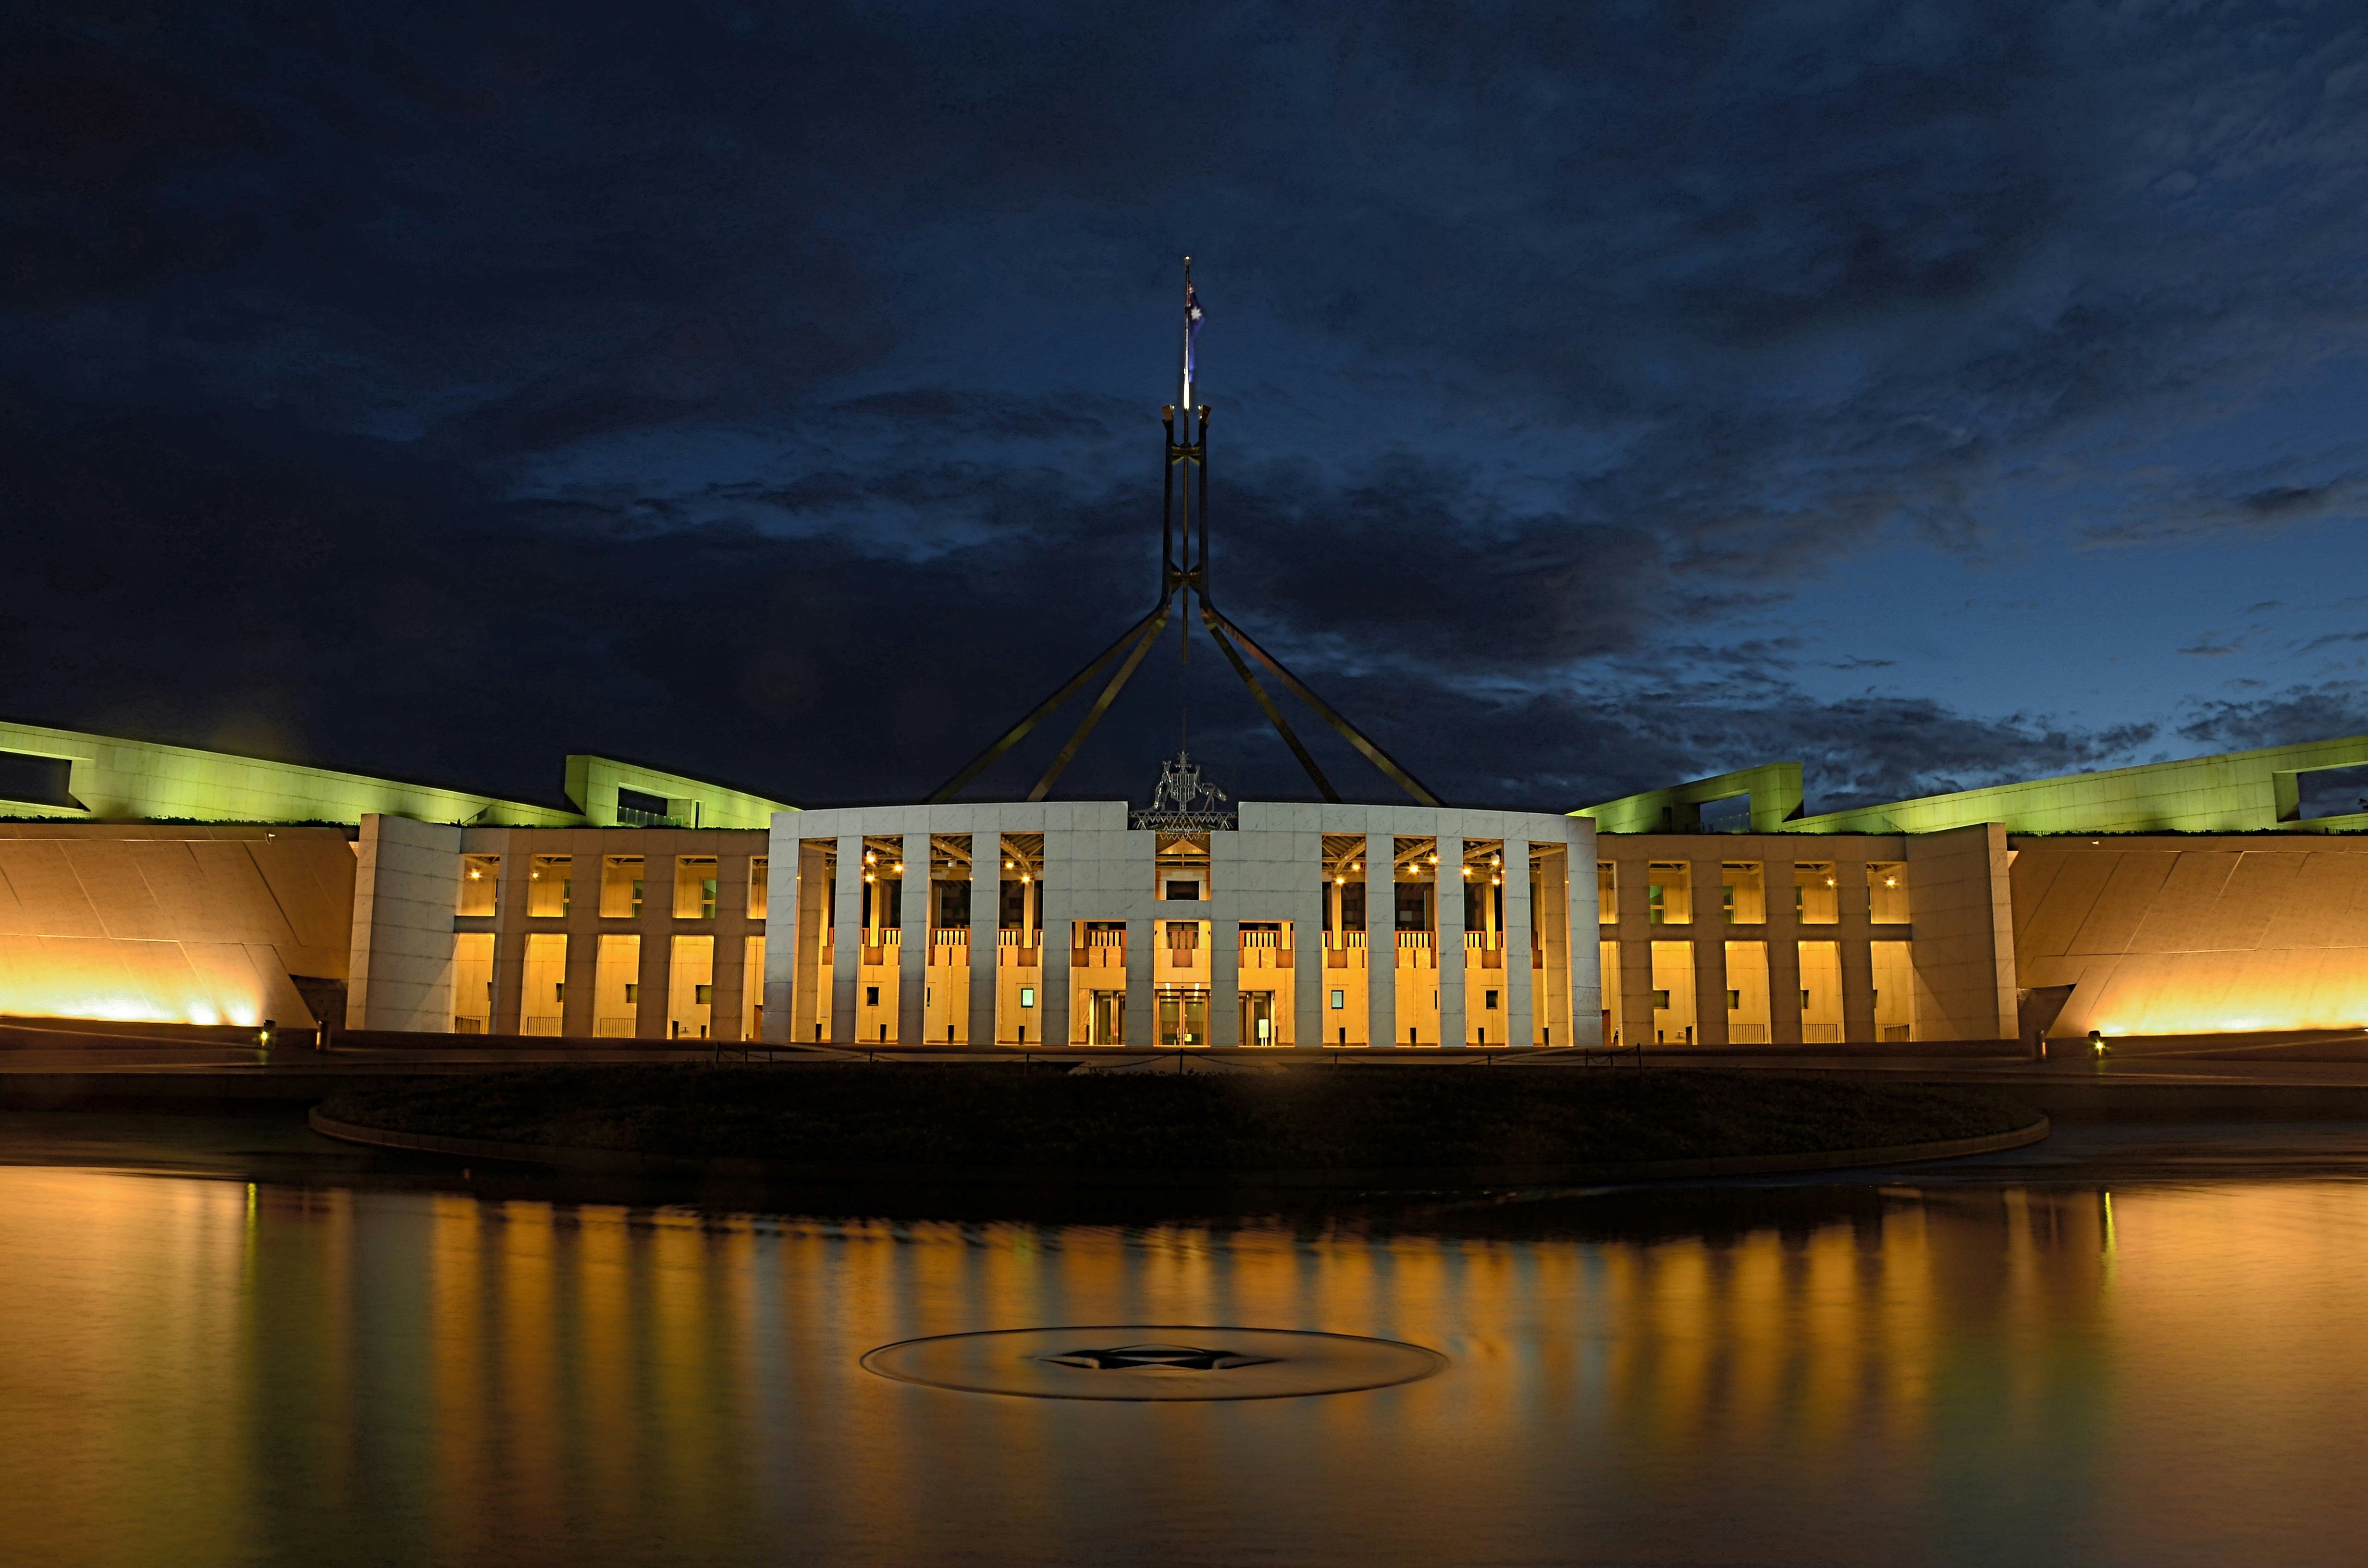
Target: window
x,y
1490,1006
1184,890
621,887
543,992
1747,1019
1028,996
1816,901
1821,993
1886,893
616,988
480,877
1894,990
760,874
1668,892
872,996
1673,993
1743,892
638,808
549,886
1339,1000
694,887
1607,894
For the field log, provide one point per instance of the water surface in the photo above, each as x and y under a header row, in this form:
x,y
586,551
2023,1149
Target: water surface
x,y
202,1371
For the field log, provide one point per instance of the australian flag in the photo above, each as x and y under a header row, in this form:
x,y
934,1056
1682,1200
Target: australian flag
x,y
1191,327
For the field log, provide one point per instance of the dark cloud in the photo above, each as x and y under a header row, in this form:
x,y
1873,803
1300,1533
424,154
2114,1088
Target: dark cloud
x,y
769,391
2325,711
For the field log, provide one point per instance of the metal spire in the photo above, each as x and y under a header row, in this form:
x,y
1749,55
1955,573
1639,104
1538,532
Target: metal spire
x,y
1184,569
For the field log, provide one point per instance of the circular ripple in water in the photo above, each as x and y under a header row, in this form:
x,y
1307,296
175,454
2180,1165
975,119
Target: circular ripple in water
x,y
1153,1362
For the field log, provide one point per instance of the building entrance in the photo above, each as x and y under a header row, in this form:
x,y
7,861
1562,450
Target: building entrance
x,y
1183,1016
1107,1023
1257,1017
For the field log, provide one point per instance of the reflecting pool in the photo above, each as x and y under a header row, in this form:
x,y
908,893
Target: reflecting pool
x,y
204,1371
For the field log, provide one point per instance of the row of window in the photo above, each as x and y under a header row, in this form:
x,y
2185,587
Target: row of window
x,y
1672,999
1743,892
551,886
540,985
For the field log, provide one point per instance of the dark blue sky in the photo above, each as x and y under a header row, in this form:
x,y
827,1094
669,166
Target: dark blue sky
x,y
1605,395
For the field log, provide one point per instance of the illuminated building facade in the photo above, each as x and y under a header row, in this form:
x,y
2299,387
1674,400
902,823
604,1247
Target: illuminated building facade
x,y
164,884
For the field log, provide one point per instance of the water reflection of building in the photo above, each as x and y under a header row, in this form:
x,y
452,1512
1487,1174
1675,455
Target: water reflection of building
x,y
150,882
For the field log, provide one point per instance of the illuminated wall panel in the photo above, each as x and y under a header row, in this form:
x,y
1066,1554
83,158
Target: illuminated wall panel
x,y
2195,935
171,925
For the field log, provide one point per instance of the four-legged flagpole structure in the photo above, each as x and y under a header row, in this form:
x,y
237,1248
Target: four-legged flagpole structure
x,y
1184,570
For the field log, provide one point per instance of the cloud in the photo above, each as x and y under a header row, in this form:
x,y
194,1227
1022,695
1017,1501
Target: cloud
x,y
2327,710
770,390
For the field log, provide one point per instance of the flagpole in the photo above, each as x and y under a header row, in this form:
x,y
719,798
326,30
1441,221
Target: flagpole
x,y
1186,404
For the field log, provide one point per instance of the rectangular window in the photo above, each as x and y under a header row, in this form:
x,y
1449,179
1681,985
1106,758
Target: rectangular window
x,y
1491,1004
547,886
1821,993
1668,892
752,990
760,873
1894,990
1816,901
1607,894
616,986
1886,893
1028,996
690,988
1339,1000
479,879
473,983
1748,1020
872,996
694,887
1673,993
620,886
543,994
638,808
1743,892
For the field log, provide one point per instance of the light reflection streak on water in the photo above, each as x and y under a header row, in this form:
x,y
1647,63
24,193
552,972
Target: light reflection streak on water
x,y
202,1371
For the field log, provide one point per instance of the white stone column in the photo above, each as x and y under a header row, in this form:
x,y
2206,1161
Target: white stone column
x,y
1381,940
1453,1032
1520,1020
1224,958
785,900
846,952
1142,1002
913,962
986,903
1586,956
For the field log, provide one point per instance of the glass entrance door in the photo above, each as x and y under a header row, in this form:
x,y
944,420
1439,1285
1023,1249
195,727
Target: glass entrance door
x,y
1257,1017
1183,1016
1109,1023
